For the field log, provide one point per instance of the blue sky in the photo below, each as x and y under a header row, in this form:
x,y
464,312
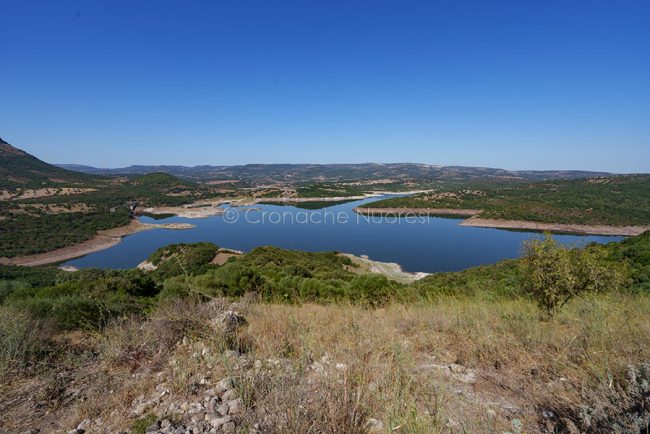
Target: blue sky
x,y
519,85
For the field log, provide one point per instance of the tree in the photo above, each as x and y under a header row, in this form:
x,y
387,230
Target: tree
x,y
554,274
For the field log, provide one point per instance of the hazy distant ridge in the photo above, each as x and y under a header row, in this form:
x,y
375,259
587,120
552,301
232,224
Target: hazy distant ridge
x,y
335,172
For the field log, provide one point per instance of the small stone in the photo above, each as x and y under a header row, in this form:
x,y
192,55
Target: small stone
x,y
153,427
229,395
234,407
456,368
84,424
451,423
228,427
374,426
198,417
223,385
217,422
231,321
222,409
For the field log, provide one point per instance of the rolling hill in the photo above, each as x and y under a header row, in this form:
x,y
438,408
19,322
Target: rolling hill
x,y
304,173
18,169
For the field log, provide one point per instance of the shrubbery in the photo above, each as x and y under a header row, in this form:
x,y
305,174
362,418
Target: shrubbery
x,y
548,273
554,275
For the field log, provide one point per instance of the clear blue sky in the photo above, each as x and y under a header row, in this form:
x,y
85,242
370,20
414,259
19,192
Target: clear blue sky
x,y
526,84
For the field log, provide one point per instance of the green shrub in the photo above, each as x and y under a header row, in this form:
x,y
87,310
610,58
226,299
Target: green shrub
x,y
554,274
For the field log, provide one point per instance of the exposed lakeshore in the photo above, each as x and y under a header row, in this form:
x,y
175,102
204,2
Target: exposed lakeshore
x,y
102,240
417,211
392,270
208,208
556,227
475,221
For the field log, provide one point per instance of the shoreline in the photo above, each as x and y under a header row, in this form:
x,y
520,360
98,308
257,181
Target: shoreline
x,y
101,241
473,220
577,229
392,270
110,237
417,211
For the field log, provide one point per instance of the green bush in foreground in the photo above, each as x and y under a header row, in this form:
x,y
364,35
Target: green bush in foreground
x,y
554,274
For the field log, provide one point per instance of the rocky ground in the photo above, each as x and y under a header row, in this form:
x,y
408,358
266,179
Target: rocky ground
x,y
221,367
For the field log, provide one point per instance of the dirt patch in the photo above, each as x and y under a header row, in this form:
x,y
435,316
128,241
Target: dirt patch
x,y
223,255
45,192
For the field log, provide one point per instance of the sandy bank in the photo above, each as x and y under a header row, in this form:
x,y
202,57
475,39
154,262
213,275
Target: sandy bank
x,y
314,199
193,211
417,211
103,240
556,227
335,198
391,270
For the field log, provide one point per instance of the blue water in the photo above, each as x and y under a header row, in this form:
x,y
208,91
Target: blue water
x,y
426,244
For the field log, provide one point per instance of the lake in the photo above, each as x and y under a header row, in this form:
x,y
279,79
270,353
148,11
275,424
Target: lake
x,y
427,244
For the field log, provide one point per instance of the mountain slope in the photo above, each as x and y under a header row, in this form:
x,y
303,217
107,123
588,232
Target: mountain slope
x,y
18,169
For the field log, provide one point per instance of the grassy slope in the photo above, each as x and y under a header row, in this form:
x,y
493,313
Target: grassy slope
x,y
617,200
397,361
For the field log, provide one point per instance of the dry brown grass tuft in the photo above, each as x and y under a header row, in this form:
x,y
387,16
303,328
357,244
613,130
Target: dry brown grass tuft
x,y
396,358
458,365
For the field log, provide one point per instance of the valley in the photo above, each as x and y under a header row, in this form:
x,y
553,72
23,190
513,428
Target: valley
x,y
172,299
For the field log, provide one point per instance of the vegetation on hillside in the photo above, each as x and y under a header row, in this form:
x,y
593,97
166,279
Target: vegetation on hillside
x,y
277,275
19,169
614,200
480,325
261,174
42,224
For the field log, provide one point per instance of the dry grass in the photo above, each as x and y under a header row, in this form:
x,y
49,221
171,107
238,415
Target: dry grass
x,y
454,366
395,357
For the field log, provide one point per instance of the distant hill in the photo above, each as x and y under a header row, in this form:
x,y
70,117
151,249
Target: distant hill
x,y
18,169
293,173
618,200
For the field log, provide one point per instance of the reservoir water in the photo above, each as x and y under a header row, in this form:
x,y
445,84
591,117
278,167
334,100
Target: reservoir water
x,y
427,244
